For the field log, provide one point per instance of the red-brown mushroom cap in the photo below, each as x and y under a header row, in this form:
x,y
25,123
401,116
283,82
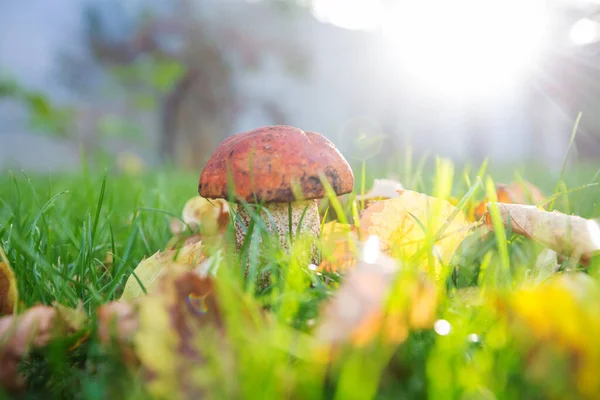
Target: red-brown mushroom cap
x,y
280,157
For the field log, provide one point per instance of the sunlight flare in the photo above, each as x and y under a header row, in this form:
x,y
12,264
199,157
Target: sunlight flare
x,y
585,31
459,48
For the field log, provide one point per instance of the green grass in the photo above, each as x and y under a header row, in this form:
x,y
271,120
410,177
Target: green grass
x,y
57,229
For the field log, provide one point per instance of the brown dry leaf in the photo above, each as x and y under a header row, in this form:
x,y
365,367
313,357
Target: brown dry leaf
x,y
173,332
405,224
32,329
159,332
515,193
339,247
183,326
570,235
524,193
150,270
361,308
8,289
168,323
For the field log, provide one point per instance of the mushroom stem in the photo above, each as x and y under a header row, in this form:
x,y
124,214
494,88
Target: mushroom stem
x,y
303,213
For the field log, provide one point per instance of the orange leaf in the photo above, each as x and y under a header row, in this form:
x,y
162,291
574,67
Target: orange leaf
x,y
514,193
339,247
361,309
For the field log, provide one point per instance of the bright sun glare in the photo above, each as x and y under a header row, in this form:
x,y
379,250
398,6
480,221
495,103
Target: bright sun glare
x,y
585,31
459,47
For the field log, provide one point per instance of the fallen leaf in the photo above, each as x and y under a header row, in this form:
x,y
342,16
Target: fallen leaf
x,y
405,224
515,193
174,333
568,343
32,329
8,289
117,324
524,193
182,240
359,300
480,209
151,269
180,327
210,217
339,245
360,309
382,189
570,235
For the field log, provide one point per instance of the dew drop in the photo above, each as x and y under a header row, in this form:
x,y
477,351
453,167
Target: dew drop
x,y
473,338
442,327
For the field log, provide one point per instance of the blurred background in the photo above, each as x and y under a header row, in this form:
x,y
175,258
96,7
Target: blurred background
x,y
154,81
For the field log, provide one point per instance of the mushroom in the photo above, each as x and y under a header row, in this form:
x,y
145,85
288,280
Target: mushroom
x,y
281,167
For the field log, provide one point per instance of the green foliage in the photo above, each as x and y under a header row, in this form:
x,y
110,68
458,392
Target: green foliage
x,y
44,116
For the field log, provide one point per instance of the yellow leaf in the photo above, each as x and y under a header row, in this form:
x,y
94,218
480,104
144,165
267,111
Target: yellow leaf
x,y
173,323
557,323
151,269
8,289
410,223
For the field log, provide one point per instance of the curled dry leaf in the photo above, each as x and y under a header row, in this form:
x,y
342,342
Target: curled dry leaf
x,y
8,289
151,269
406,223
209,216
570,235
32,329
